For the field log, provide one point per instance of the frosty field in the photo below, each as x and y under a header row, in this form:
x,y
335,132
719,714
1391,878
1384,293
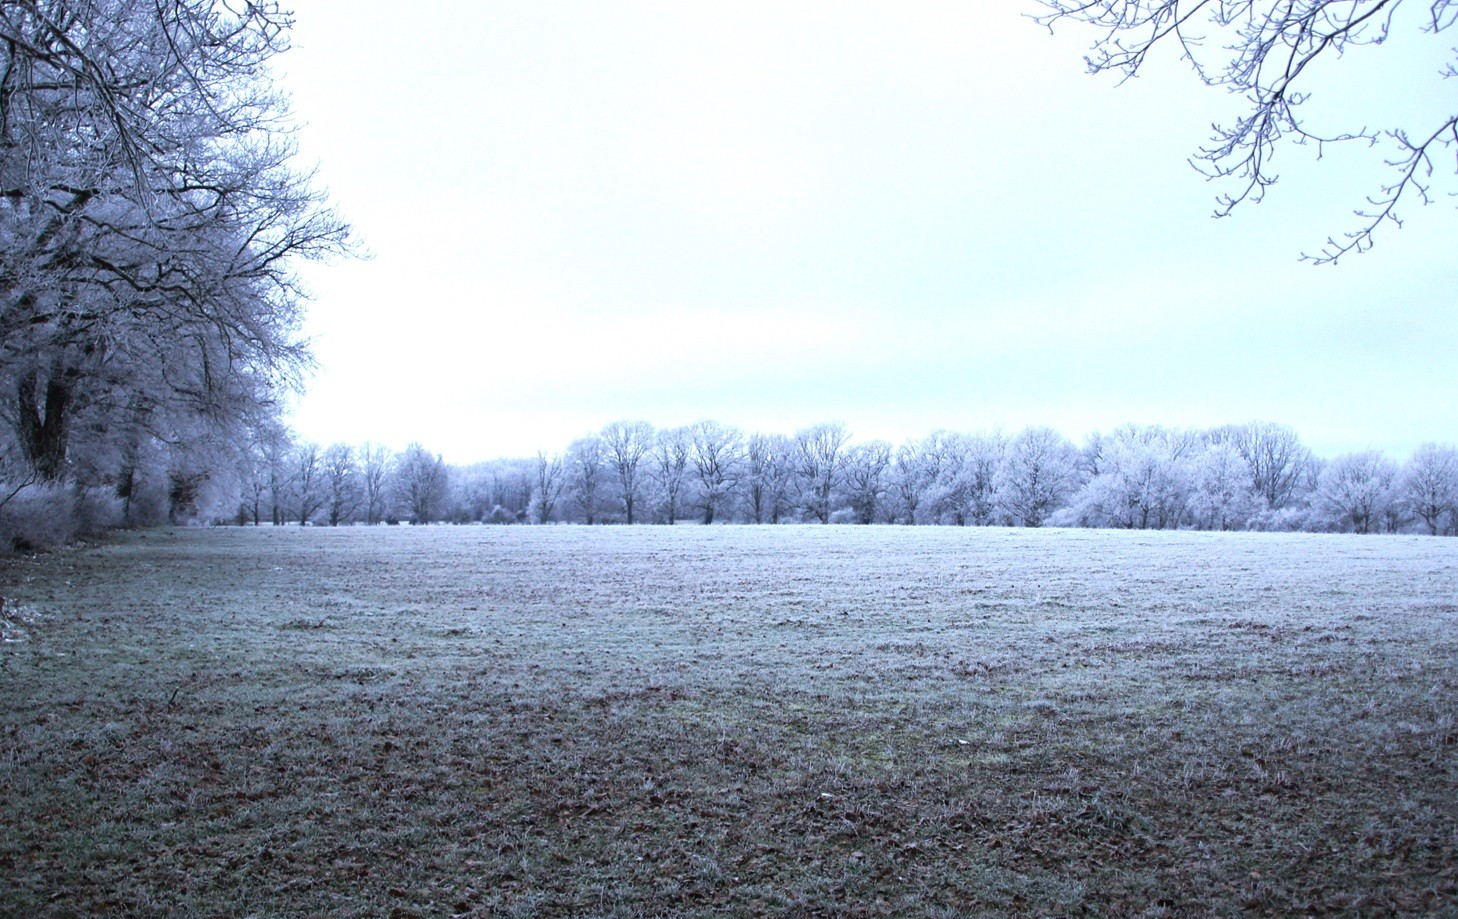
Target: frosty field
x,y
792,721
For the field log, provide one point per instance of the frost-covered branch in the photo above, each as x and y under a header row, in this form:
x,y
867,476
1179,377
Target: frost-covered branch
x,y
1264,51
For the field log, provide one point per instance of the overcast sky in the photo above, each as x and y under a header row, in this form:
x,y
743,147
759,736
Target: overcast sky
x,y
902,217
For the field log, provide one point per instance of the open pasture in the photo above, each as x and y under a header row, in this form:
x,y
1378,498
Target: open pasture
x,y
791,721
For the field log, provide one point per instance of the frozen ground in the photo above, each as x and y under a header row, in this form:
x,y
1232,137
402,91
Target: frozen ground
x,y
730,720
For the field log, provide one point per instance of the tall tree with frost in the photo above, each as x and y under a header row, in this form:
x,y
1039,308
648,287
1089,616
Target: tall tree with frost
x,y
768,476
149,218
670,458
549,477
585,474
341,483
965,491
1221,497
626,443
1356,490
945,456
1279,464
820,463
716,451
374,469
1143,481
1039,470
1429,484
308,481
910,481
422,482
867,479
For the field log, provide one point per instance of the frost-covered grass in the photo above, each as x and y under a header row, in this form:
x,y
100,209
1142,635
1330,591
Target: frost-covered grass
x,y
733,721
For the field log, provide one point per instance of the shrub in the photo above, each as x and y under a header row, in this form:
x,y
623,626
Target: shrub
x,y
38,517
96,510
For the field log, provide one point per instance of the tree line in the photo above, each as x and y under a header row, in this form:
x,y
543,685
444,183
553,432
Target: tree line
x,y
1234,477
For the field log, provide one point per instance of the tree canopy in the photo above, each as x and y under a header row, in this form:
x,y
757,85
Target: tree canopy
x,y
150,218
1265,50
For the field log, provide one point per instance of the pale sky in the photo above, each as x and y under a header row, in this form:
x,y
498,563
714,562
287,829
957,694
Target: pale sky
x,y
904,217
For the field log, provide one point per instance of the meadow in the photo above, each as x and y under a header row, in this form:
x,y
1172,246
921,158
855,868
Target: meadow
x,y
726,721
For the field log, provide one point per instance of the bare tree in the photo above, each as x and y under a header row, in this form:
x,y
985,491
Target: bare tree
x,y
342,485
867,476
1038,473
944,457
626,444
1277,460
308,481
1221,496
670,458
254,463
277,453
1268,51
716,453
374,469
253,485
1429,484
548,479
585,474
1144,481
911,479
511,489
963,487
1356,489
768,472
422,482
820,464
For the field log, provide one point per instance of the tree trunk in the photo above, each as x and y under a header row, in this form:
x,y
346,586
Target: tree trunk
x,y
43,426
126,487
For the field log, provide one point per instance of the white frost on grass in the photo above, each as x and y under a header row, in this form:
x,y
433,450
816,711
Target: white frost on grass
x,y
14,622
1062,614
